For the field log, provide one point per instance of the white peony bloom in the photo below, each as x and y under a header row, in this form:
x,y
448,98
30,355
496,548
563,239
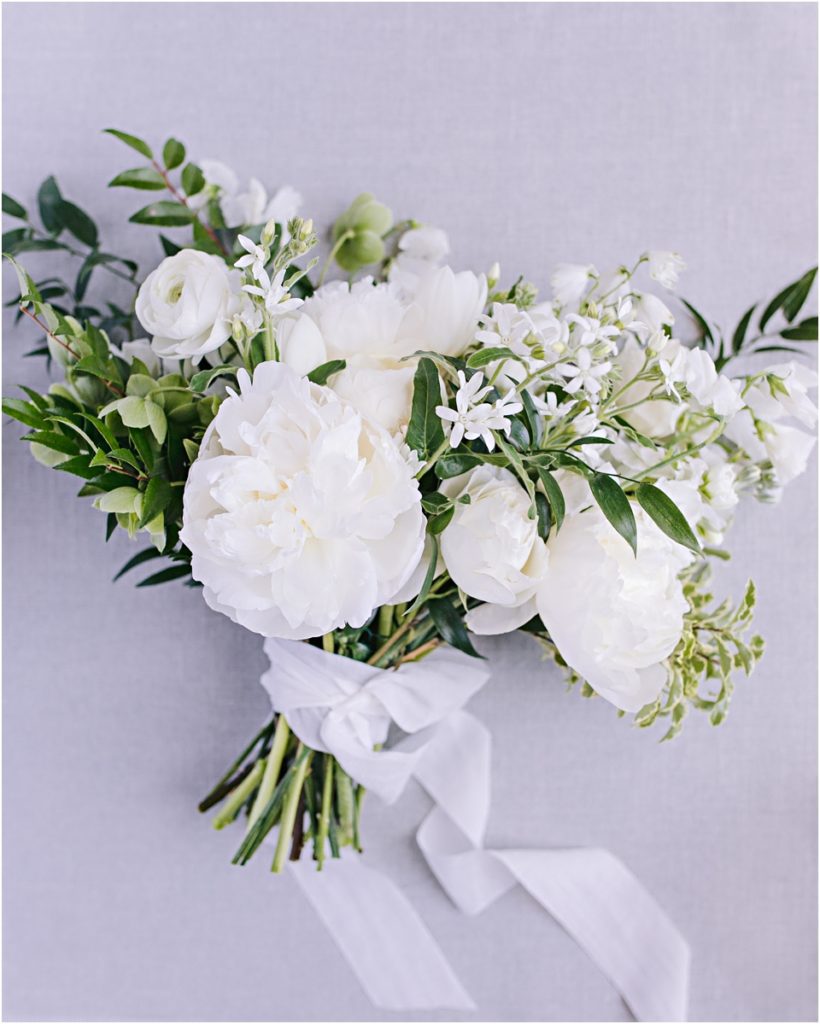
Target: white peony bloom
x,y
614,618
491,548
443,315
187,304
375,328
301,516
570,281
665,266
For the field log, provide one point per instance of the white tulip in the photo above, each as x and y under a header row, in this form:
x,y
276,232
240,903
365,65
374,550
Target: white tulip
x,y
187,304
614,617
300,515
491,548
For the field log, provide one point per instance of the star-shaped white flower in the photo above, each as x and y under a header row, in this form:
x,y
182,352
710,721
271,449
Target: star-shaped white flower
x,y
583,373
473,418
256,257
277,299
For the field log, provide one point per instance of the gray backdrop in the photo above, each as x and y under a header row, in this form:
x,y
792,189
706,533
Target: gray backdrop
x,y
533,133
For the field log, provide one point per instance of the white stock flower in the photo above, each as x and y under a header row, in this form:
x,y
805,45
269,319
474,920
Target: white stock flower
x,y
300,515
655,417
243,209
614,617
492,549
420,250
473,417
665,266
569,282
187,304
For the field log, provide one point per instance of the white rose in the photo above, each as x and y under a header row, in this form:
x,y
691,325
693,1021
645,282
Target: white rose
x,y
492,549
187,304
301,516
569,281
614,618
664,266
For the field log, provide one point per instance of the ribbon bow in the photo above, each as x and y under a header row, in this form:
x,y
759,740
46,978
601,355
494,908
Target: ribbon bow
x,y
343,707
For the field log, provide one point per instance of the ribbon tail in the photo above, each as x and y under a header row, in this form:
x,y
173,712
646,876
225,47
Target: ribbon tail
x,y
389,948
614,920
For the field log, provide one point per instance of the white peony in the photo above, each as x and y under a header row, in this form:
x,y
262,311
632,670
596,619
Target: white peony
x,y
301,516
614,617
375,328
187,304
492,549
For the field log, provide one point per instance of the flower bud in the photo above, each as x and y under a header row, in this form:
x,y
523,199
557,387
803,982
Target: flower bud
x,y
494,275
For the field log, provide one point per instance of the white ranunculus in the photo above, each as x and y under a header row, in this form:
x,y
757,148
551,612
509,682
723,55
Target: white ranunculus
x,y
301,516
569,281
491,548
614,618
665,266
187,304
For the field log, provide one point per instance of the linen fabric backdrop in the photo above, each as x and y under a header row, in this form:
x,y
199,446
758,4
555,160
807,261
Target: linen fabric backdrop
x,y
533,134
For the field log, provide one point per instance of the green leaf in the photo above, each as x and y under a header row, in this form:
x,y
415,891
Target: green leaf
x,y
131,140
542,508
451,626
435,502
13,209
489,355
164,214
449,466
138,177
424,432
193,180
173,154
57,442
175,572
798,295
200,381
439,522
121,499
532,418
139,559
554,494
429,576
169,248
156,498
667,516
50,204
740,331
23,412
806,330
321,374
79,224
615,506
156,420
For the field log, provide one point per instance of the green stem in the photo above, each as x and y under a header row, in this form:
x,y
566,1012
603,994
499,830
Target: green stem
x,y
261,735
385,620
442,448
239,796
288,819
324,814
269,342
327,643
344,805
272,769
340,241
357,818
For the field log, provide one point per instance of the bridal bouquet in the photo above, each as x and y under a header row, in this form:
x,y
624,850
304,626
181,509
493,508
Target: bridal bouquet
x,y
372,461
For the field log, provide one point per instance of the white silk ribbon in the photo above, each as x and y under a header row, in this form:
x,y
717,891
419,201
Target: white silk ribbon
x,y
344,707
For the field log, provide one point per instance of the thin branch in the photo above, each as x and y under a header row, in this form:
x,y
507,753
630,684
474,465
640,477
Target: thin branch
x,y
180,198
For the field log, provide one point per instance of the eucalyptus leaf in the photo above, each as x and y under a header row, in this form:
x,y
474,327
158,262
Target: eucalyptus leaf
x,y
133,141
145,178
164,214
